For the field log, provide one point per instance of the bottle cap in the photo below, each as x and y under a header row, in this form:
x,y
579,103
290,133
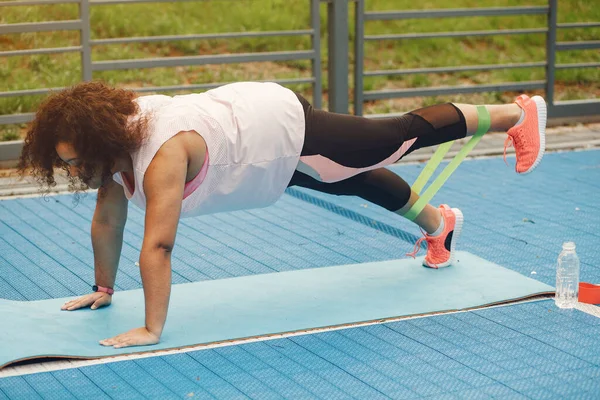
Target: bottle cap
x,y
569,245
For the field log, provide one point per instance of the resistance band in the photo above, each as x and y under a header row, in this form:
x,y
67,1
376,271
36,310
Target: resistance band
x,y
483,125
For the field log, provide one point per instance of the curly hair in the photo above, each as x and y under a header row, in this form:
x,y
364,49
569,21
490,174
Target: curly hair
x,y
93,118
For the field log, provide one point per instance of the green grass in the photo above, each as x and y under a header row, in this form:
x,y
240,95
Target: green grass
x,y
10,132
211,16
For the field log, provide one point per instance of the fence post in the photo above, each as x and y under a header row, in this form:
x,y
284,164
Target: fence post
x,y
359,52
551,52
86,48
338,32
315,21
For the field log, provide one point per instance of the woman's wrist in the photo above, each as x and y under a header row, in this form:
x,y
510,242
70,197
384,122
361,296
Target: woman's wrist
x,y
104,289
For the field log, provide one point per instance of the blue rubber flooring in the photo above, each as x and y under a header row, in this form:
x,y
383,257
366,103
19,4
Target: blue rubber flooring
x,y
528,350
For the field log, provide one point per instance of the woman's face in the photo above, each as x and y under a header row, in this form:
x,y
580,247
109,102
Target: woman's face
x,y
67,153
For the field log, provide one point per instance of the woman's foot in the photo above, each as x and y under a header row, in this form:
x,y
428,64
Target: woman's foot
x,y
440,248
529,136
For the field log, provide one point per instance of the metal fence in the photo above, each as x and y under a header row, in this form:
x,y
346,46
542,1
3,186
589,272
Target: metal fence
x,y
89,66
556,109
338,53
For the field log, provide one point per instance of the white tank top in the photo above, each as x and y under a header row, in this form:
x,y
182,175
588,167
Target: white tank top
x,y
254,134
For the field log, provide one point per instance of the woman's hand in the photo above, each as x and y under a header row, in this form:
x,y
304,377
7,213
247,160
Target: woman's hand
x,y
95,300
135,337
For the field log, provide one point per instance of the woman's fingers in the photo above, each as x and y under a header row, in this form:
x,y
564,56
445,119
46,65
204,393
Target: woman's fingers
x,y
81,302
67,304
75,304
71,303
114,340
111,341
135,337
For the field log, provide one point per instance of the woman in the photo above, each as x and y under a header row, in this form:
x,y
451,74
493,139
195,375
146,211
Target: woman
x,y
239,147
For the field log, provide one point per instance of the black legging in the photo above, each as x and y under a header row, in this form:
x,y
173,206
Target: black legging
x,y
360,142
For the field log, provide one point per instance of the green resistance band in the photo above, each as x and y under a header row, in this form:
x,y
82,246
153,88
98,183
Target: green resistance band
x,y
483,125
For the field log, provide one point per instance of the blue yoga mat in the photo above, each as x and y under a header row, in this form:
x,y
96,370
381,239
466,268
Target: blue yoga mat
x,y
260,305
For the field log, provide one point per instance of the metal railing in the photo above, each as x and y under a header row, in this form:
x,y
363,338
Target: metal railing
x,y
89,66
556,109
338,53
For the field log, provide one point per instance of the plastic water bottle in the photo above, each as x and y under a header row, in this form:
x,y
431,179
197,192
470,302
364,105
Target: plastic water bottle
x,y
567,277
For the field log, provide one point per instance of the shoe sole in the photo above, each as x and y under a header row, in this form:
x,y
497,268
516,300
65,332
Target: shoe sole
x,y
542,115
458,224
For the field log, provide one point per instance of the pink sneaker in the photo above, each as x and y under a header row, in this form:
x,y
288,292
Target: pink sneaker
x,y
440,249
529,137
